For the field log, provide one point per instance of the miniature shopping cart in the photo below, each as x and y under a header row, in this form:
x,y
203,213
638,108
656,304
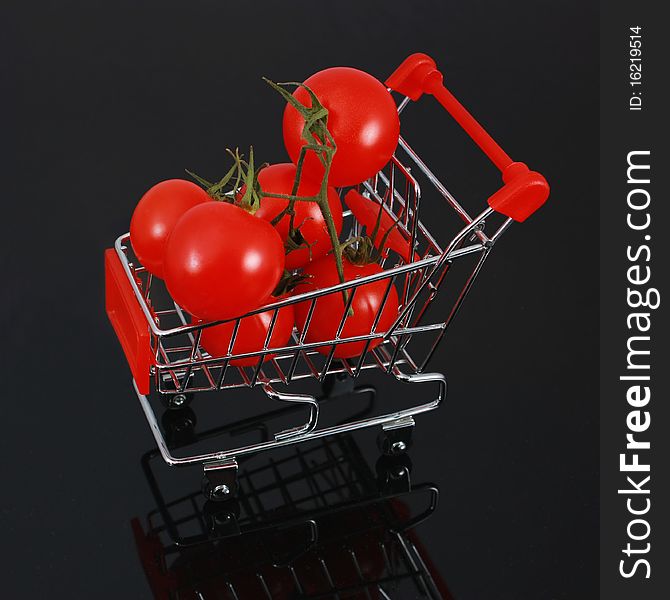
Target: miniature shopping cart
x,y
163,347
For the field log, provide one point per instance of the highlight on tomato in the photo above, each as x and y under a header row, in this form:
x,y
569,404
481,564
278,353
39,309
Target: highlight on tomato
x,y
251,335
222,262
362,119
329,309
155,216
314,240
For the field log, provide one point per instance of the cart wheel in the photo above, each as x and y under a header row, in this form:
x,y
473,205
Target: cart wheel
x,y
221,486
337,384
393,473
393,442
176,401
179,426
221,518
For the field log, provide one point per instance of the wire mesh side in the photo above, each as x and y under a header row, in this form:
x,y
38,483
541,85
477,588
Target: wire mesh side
x,y
183,365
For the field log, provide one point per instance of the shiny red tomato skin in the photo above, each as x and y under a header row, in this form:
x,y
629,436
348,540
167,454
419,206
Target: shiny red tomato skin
x,y
155,216
279,179
362,118
366,212
251,335
221,261
329,309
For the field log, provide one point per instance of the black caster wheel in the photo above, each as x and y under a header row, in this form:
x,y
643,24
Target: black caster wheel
x,y
393,473
337,384
221,518
179,426
176,401
393,442
220,486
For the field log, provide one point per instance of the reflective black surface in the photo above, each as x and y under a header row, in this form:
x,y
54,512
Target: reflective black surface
x,y
311,520
104,99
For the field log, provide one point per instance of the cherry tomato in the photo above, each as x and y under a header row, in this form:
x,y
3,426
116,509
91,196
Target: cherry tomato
x,y
362,118
221,262
366,212
155,216
251,335
329,309
308,218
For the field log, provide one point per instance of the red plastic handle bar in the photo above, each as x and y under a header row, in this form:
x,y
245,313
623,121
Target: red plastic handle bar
x,y
128,321
524,191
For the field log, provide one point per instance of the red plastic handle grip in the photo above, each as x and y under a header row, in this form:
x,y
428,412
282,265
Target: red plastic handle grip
x,y
128,321
524,191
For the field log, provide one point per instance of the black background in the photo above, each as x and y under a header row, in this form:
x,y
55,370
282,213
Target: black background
x,y
101,100
623,131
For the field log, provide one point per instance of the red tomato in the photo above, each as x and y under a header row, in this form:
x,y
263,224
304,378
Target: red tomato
x,y
221,261
366,212
362,118
251,335
279,180
330,308
155,216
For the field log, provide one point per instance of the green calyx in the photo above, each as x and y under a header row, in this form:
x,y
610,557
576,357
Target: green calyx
x,y
362,250
288,283
244,175
241,173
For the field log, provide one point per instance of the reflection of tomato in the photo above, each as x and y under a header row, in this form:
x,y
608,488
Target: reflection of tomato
x,y
308,218
311,575
155,216
280,583
357,576
221,261
369,555
329,309
250,336
360,532
362,118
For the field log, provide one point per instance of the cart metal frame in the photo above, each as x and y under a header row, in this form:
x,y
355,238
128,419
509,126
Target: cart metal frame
x,y
163,346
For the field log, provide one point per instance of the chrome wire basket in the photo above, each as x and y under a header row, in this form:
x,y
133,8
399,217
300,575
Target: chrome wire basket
x,y
163,346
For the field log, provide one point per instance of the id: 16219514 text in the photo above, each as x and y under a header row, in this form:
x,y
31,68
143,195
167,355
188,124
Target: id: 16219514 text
x,y
635,68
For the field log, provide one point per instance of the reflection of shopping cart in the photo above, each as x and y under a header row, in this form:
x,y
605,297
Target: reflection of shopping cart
x,y
164,348
313,522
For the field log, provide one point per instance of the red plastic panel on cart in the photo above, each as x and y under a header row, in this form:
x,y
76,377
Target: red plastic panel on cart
x,y
128,320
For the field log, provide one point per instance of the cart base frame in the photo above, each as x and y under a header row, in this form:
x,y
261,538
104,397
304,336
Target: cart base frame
x,y
220,468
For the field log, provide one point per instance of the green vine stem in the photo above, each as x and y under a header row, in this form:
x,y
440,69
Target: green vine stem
x,y
318,140
244,172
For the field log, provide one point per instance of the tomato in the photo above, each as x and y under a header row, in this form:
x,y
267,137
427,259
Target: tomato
x,y
362,118
251,335
221,262
329,309
155,216
366,212
279,180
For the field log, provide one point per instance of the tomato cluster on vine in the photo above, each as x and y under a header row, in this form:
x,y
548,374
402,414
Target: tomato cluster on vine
x,y
225,249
